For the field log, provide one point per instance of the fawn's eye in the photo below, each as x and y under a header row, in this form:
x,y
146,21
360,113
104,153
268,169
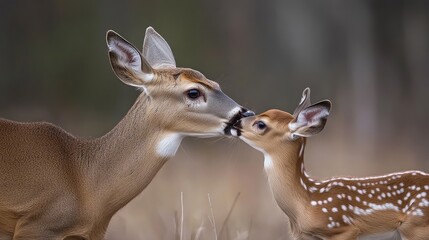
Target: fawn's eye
x,y
193,93
261,125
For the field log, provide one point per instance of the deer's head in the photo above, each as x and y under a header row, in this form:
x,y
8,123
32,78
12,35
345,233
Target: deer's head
x,y
274,128
193,105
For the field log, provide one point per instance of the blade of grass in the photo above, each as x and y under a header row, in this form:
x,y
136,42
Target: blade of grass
x,y
196,235
212,218
181,220
225,222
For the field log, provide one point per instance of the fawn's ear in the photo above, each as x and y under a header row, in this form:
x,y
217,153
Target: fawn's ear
x,y
305,102
157,51
127,62
311,120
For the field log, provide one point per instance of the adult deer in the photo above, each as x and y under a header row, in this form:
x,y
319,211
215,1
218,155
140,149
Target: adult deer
x,y
393,205
56,186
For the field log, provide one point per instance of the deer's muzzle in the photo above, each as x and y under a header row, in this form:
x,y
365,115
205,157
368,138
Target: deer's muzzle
x,y
230,129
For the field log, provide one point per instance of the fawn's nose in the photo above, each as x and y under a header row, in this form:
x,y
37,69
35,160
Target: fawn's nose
x,y
246,113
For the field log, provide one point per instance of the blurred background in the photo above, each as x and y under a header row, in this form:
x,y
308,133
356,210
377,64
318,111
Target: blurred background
x,y
371,58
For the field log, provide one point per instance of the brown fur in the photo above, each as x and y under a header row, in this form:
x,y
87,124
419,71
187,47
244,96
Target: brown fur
x,y
197,77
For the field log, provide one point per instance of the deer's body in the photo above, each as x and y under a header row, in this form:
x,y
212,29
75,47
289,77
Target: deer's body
x,y
74,183
340,208
56,186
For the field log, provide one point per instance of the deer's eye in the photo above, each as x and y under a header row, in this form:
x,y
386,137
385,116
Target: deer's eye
x,y
261,125
193,93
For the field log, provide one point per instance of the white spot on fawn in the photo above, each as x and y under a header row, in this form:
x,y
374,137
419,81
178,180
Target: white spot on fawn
x,y
346,219
424,203
268,162
303,184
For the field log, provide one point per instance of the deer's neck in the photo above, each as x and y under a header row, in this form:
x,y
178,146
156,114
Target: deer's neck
x,y
127,158
287,178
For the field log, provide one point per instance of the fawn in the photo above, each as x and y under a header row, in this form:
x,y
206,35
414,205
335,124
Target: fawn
x,y
339,208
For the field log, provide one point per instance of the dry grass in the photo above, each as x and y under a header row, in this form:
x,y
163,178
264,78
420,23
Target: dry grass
x,y
223,198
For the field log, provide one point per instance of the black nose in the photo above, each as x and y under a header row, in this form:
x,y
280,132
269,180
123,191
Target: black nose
x,y
237,124
247,113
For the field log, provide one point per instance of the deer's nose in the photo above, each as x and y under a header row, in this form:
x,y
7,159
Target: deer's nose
x,y
247,113
237,124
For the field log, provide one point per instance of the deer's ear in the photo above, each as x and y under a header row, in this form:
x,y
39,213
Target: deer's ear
x,y
310,120
127,62
157,51
305,102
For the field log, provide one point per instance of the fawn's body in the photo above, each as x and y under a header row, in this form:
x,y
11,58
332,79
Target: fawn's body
x,y
345,208
339,208
56,186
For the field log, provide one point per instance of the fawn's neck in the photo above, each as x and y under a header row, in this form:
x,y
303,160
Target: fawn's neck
x,y
125,160
287,177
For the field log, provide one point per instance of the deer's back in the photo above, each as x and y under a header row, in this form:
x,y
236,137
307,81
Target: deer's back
x,y
34,158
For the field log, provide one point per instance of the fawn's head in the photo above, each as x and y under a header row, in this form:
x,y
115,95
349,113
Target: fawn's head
x,y
275,127
194,105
